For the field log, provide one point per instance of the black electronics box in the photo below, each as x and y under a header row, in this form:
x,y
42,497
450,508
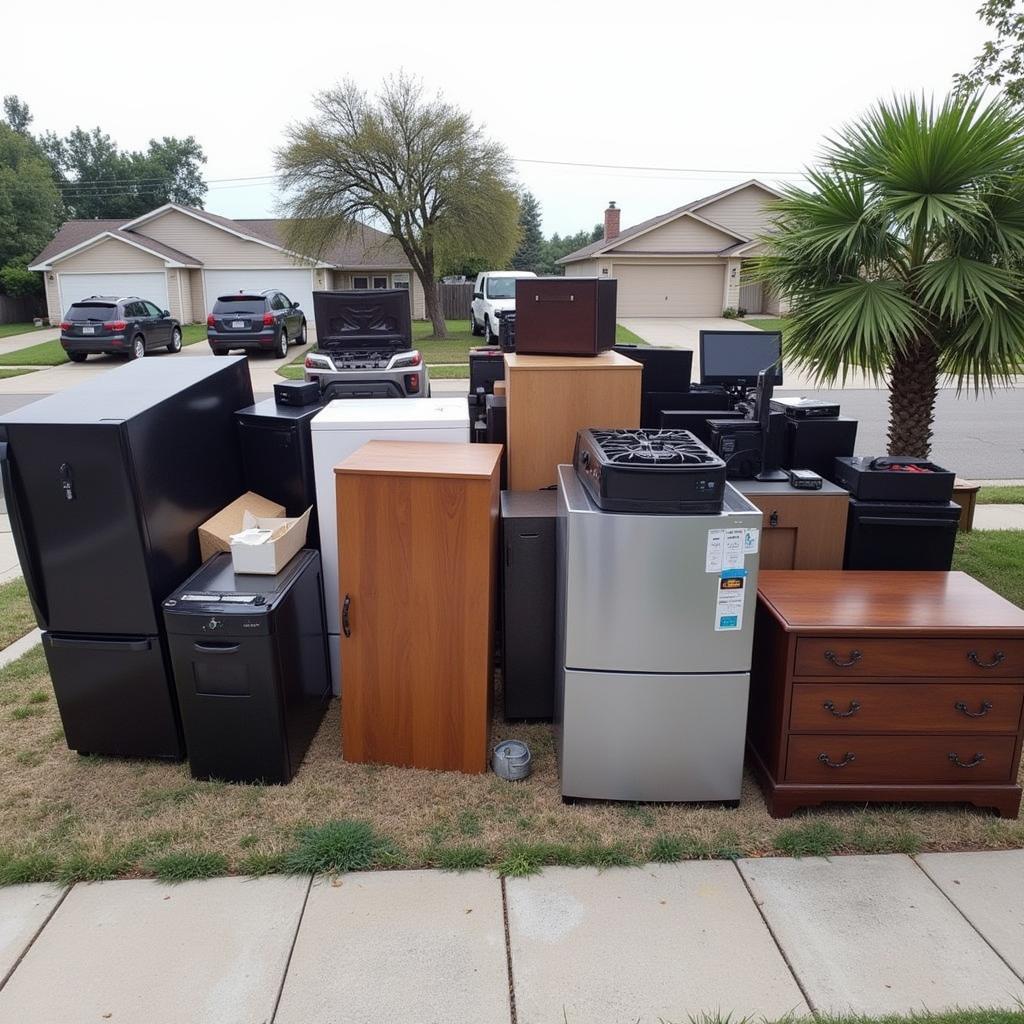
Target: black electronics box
x,y
664,369
815,443
893,478
805,408
738,444
297,392
486,365
696,420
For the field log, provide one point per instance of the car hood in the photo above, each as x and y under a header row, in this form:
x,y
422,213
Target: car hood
x,y
503,303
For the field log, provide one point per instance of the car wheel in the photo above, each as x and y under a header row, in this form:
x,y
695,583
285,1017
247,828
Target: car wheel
x,y
221,351
281,348
475,329
487,330
175,344
78,357
138,347
302,334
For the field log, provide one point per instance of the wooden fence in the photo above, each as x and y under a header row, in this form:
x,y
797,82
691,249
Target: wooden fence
x,y
455,300
15,310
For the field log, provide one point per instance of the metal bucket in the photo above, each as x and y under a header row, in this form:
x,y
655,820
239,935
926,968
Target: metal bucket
x,y
512,760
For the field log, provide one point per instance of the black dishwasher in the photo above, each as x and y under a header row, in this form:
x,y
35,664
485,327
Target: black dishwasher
x,y
249,655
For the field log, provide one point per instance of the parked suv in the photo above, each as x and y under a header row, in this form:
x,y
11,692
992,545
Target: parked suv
x,y
129,326
494,294
266,321
364,346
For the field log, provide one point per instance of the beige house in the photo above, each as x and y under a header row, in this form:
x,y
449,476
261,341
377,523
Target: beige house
x,y
182,259
687,262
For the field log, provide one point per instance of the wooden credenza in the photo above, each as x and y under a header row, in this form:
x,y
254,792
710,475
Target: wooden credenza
x,y
550,398
885,686
417,542
801,529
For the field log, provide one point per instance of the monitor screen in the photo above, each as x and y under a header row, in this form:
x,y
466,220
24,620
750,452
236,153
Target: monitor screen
x,y
734,358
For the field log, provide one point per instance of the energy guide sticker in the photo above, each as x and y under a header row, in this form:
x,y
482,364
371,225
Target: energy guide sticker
x,y
729,602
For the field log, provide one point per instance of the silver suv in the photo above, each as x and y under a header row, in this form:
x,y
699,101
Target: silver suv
x,y
364,346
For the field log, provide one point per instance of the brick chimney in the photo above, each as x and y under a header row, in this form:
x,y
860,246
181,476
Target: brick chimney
x,y
611,221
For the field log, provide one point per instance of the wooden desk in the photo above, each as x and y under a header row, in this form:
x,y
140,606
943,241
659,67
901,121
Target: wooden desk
x,y
801,529
550,398
885,686
417,536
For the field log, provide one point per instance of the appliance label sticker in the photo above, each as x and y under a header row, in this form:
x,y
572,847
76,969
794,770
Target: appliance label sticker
x,y
713,557
750,541
732,557
729,605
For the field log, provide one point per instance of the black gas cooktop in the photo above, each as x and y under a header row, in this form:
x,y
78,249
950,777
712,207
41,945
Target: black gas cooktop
x,y
666,471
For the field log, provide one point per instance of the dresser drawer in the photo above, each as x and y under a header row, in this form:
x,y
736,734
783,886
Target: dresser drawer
x,y
968,707
845,760
915,657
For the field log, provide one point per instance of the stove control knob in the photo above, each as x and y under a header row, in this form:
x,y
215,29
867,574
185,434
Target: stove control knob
x,y
214,624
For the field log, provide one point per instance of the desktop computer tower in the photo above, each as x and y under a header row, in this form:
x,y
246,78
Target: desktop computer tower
x,y
815,443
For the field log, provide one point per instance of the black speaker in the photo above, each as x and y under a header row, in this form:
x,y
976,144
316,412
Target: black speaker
x,y
696,420
665,369
528,602
496,429
814,443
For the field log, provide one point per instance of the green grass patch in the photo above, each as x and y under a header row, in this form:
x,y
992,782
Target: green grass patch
x,y
1001,495
291,372
624,336
815,839
11,330
340,846
767,324
16,617
462,857
46,353
24,868
186,866
263,863
459,372
522,859
666,849
191,333
5,373
996,558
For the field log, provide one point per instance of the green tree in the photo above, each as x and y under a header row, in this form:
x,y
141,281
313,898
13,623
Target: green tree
x,y
17,114
902,256
99,180
415,165
1001,61
556,247
30,208
530,253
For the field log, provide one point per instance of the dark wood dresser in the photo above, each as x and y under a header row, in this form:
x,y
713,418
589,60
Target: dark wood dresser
x,y
885,686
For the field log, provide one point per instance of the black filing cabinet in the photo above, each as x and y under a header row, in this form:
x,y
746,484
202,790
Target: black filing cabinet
x,y
277,457
528,602
249,655
911,535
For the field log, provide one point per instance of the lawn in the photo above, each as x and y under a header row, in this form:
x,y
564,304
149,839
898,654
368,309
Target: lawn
x,y
68,817
10,330
1001,495
768,325
5,373
50,353
16,618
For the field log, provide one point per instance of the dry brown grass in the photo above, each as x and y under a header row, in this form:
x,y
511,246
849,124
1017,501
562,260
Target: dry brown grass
x,y
69,815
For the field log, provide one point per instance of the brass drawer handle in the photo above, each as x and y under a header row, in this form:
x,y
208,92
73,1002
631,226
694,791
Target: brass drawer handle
x,y
986,707
973,763
854,708
997,659
831,656
848,758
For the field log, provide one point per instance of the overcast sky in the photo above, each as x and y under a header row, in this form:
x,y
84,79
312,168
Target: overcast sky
x,y
726,90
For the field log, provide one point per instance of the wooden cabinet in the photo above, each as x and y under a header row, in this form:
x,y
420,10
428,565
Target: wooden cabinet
x,y
550,398
885,686
801,529
417,541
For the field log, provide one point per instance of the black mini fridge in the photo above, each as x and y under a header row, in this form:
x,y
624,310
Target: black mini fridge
x,y
906,535
277,457
250,666
106,484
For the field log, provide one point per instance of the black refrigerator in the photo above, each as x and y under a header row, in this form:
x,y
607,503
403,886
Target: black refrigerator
x,y
106,484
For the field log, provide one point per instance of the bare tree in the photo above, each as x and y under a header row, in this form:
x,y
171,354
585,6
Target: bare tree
x,y
417,165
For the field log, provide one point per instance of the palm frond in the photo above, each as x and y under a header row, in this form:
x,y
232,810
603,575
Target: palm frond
x,y
986,350
955,286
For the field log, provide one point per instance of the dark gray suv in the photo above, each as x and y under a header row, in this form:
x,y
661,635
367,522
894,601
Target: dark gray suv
x,y
129,327
266,321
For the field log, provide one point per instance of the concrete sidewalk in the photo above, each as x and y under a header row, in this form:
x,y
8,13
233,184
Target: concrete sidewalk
x,y
773,936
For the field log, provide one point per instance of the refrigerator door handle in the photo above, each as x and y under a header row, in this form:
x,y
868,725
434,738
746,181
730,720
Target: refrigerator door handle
x,y
101,645
33,580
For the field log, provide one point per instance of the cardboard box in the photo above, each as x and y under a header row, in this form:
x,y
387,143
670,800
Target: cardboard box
x,y
283,541
215,533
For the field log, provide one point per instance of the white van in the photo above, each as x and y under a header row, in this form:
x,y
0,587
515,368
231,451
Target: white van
x,y
494,294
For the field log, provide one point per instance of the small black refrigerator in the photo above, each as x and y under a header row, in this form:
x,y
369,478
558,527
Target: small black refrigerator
x,y
106,484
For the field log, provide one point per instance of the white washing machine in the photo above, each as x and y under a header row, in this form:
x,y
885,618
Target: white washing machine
x,y
342,427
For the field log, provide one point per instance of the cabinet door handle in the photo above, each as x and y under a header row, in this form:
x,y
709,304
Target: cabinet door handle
x,y
848,758
986,707
973,763
832,657
854,708
773,518
345,627
997,659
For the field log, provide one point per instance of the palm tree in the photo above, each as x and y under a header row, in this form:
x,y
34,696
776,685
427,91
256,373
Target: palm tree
x,y
903,256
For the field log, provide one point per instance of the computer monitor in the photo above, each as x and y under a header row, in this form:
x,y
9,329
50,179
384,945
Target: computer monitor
x,y
734,358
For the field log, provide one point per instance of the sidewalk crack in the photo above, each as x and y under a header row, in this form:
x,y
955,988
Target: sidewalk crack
x,y
508,954
31,942
291,951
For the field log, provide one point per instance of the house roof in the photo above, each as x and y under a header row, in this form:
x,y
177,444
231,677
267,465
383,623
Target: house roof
x,y
363,247
603,244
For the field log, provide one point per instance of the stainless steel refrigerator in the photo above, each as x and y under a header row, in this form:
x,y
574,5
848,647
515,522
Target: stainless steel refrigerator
x,y
655,621
105,485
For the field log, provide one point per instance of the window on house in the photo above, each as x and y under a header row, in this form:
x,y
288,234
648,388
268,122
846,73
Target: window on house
x,y
360,282
380,282
400,281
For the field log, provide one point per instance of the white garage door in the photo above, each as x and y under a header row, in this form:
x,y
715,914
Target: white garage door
x,y
670,289
296,284
152,286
